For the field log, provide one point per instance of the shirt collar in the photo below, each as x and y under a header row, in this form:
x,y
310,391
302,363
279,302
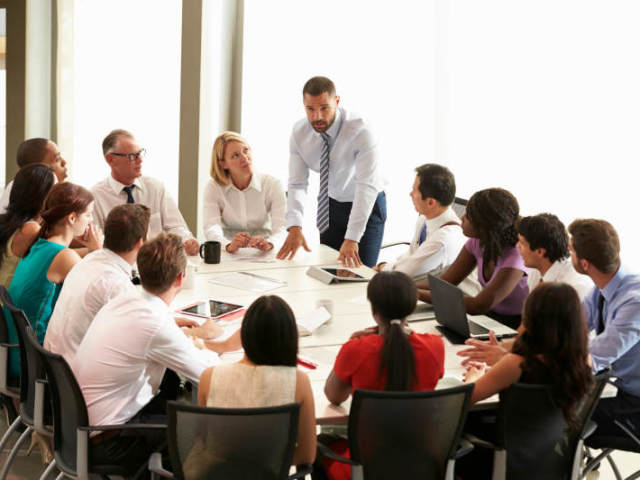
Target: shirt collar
x,y
117,260
445,217
333,130
117,187
154,300
255,183
554,270
610,288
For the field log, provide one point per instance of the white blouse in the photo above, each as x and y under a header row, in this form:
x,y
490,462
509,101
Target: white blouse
x,y
258,209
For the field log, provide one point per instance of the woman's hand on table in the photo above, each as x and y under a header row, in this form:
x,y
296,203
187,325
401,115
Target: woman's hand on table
x,y
260,243
240,240
489,352
474,370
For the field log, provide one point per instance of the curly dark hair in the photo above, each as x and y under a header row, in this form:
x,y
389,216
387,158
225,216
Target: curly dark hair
x,y
493,213
545,231
555,334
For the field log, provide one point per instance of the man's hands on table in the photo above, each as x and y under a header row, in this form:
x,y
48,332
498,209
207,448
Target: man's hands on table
x,y
349,254
295,239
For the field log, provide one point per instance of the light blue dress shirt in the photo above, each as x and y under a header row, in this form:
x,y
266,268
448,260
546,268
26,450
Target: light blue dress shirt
x,y
354,173
618,345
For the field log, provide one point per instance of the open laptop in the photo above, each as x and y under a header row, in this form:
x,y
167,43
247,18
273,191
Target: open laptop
x,y
448,304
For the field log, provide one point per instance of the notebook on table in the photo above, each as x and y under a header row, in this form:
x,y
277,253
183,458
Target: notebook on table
x,y
448,305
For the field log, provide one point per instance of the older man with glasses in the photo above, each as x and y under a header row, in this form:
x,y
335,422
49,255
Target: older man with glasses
x,y
126,184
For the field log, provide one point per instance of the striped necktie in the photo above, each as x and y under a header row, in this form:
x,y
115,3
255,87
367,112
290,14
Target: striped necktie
x,y
129,191
423,234
322,217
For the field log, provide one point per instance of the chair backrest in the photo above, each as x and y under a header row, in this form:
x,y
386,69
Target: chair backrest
x,y
31,366
69,408
407,434
459,206
231,443
532,427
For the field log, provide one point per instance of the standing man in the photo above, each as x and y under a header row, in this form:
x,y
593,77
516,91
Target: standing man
x,y
352,207
36,150
127,185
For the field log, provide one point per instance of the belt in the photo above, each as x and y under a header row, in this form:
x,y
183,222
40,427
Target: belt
x,y
104,436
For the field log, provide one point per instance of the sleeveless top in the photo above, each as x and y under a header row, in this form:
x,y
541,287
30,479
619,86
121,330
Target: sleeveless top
x,y
10,261
238,385
32,292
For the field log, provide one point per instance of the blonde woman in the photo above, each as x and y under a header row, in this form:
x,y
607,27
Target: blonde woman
x,y
242,208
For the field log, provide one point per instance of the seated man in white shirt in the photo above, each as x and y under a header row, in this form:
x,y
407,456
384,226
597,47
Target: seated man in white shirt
x,y
544,245
36,150
127,348
98,278
438,237
127,185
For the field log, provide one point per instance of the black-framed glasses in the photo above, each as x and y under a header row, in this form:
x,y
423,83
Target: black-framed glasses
x,y
132,156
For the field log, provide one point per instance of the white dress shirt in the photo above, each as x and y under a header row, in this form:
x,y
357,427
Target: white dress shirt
x,y
354,173
440,248
91,284
165,216
4,199
562,271
122,358
258,210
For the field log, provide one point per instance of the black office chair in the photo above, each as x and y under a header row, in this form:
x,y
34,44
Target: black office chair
x,y
71,427
533,440
405,434
31,370
8,389
628,442
230,443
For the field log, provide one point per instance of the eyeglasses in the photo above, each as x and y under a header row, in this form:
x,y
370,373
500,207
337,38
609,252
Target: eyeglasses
x,y
132,156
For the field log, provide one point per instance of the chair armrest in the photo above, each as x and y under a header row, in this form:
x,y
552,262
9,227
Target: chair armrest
x,y
464,447
393,244
327,452
480,442
155,466
124,426
9,345
301,472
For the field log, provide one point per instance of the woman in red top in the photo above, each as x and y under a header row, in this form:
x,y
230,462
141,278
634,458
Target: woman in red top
x,y
387,357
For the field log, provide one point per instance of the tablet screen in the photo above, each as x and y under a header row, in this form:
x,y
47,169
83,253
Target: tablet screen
x,y
343,273
211,308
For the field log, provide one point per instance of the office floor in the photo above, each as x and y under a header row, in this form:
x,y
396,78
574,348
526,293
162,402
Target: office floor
x,y
30,467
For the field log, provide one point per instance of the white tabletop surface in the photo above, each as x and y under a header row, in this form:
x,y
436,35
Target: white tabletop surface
x,y
351,312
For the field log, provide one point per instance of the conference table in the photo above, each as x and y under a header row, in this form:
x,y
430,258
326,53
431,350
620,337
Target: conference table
x,y
351,310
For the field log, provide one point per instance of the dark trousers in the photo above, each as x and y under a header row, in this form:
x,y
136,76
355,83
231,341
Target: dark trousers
x,y
624,408
131,449
369,245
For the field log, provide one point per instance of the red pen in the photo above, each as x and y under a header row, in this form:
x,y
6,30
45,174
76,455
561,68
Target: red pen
x,y
307,363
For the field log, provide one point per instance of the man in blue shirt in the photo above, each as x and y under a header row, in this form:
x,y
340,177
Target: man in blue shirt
x,y
351,204
612,309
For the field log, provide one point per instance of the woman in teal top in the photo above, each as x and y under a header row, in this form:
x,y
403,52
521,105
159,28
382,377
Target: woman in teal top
x,y
67,214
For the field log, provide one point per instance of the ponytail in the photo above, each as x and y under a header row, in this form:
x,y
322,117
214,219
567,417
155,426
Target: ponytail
x,y
393,295
397,359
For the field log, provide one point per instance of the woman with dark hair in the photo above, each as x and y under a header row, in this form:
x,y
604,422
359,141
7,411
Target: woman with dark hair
x,y
552,349
19,226
387,357
67,214
266,375
490,223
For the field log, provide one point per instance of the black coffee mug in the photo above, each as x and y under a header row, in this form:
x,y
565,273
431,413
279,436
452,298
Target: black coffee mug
x,y
211,252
